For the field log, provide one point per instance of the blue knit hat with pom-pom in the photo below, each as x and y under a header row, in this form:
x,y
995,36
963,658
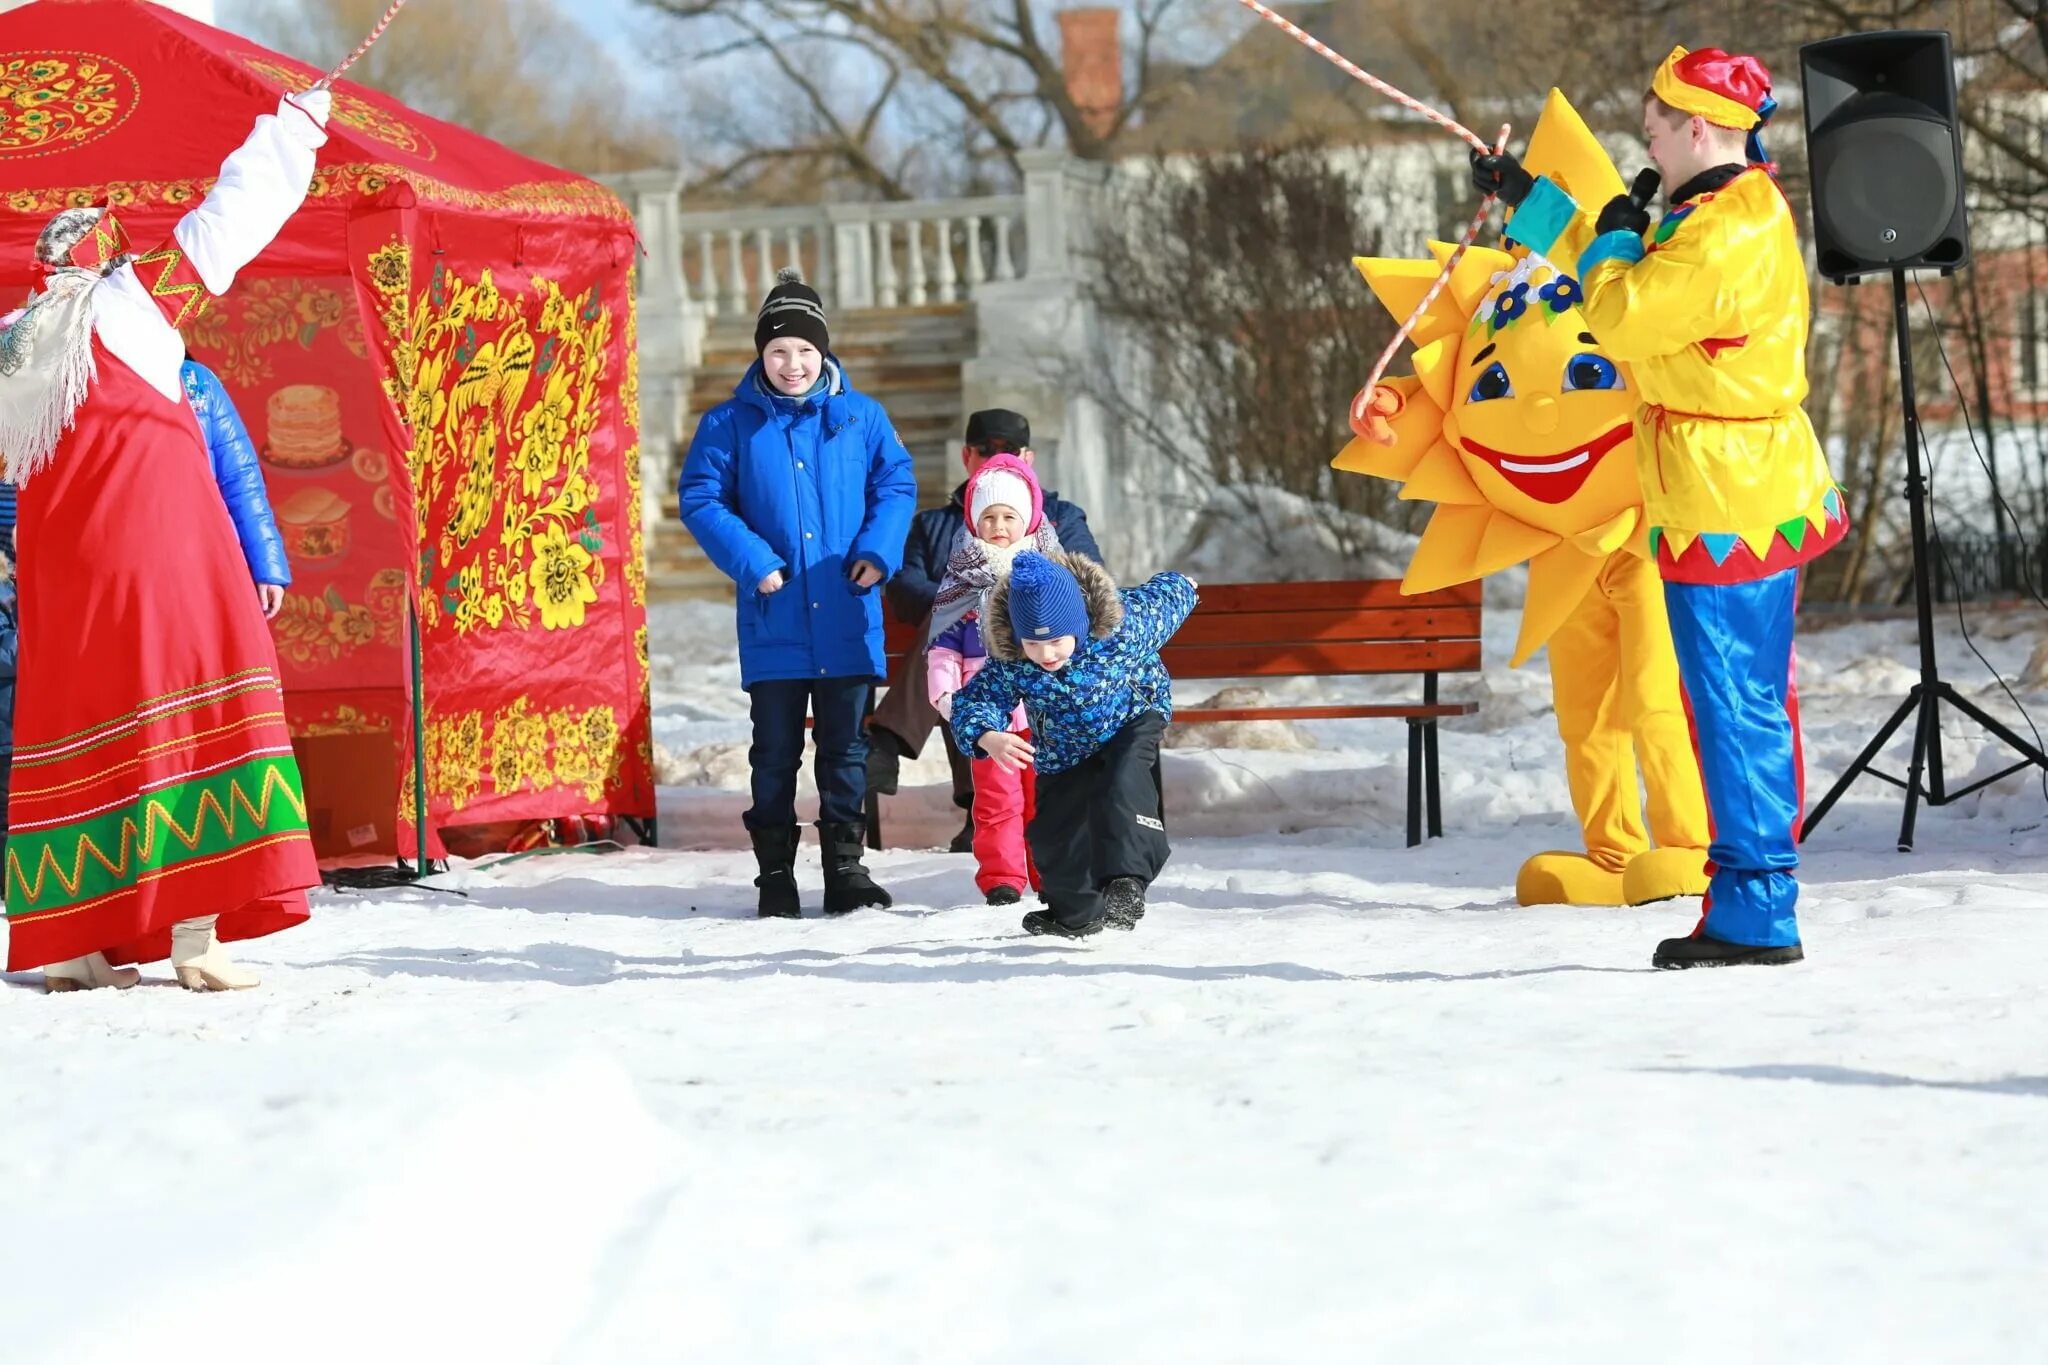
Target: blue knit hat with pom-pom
x,y
1045,599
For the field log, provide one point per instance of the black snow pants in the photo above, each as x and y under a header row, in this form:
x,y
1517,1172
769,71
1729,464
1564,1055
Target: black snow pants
x,y
1100,820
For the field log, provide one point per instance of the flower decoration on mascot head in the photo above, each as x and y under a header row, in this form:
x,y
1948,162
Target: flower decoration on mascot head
x,y
1515,423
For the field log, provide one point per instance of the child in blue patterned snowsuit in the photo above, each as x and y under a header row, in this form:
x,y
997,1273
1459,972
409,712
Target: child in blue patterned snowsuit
x,y
1083,659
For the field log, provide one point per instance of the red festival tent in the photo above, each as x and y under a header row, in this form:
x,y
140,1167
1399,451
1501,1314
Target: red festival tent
x,y
436,360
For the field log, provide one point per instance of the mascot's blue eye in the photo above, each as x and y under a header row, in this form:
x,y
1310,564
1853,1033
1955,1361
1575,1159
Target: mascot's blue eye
x,y
1492,384
1590,370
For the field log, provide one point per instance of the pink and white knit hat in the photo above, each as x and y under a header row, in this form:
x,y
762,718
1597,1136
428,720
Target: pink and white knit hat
x,y
1006,481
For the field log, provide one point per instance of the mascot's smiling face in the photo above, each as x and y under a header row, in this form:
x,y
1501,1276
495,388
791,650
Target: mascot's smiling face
x,y
1540,416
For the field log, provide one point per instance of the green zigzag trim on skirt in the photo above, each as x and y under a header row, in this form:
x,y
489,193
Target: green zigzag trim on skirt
x,y
193,820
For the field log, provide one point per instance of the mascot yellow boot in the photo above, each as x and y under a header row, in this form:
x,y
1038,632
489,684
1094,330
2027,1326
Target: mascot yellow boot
x,y
1521,431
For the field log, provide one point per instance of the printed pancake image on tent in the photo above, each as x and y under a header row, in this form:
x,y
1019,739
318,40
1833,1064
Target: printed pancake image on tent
x,y
435,361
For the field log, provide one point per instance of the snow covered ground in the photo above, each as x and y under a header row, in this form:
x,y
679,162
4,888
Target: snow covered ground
x,y
1336,1100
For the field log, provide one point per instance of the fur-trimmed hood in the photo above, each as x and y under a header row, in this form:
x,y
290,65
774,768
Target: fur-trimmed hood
x,y
1098,590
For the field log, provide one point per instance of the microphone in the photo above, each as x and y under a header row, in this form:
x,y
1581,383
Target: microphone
x,y
1645,187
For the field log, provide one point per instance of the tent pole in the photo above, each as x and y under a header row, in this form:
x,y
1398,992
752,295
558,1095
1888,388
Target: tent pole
x,y
419,743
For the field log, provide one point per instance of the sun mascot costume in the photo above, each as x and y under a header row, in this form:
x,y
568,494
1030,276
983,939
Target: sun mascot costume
x,y
1521,432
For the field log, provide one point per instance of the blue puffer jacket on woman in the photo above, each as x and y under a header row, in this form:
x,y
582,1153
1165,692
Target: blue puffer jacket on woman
x,y
809,486
239,476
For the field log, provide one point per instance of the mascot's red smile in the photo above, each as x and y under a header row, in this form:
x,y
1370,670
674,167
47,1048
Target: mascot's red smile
x,y
1550,478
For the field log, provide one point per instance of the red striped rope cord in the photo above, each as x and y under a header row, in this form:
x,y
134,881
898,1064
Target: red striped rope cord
x,y
378,32
1441,120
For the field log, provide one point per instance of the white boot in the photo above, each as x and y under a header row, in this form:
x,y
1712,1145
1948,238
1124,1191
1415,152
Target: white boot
x,y
88,973
201,963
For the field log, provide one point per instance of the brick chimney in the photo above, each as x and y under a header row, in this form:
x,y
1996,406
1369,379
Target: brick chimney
x,y
1093,62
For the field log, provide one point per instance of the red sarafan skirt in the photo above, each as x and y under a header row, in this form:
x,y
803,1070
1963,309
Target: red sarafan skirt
x,y
153,775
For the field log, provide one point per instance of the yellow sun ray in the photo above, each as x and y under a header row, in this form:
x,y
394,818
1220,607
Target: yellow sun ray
x,y
1441,477
1508,541
1436,365
1399,285
1559,579
1570,156
1449,544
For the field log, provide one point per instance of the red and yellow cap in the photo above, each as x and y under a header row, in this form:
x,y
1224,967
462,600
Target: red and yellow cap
x,y
1730,90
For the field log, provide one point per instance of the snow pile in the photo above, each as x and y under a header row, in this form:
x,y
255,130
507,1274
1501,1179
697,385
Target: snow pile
x,y
1238,734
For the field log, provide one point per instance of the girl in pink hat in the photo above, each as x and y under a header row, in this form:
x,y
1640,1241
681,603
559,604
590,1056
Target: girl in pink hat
x,y
1005,514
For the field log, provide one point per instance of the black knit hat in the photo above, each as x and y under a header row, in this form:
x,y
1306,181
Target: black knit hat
x,y
999,429
792,309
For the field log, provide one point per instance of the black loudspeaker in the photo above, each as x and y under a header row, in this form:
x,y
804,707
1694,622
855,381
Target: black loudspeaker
x,y
1886,154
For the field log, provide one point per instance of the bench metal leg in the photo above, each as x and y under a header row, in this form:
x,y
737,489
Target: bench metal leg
x,y
1415,752
1429,778
1432,787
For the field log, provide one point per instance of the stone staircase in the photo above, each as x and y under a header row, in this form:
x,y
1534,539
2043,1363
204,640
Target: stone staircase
x,y
908,359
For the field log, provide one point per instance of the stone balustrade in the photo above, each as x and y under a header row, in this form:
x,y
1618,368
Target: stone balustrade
x,y
863,255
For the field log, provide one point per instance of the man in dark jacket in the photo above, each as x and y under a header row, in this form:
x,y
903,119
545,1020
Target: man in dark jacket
x,y
905,719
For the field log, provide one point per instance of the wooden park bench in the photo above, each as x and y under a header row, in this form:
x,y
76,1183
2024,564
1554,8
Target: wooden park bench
x,y
1354,628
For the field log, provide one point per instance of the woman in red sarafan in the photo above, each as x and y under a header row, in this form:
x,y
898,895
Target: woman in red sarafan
x,y
156,808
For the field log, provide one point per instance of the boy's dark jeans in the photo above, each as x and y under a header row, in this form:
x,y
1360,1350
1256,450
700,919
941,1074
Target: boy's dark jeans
x,y
1100,820
841,765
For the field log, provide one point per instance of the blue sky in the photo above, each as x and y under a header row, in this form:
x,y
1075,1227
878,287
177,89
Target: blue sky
x,y
608,19
622,25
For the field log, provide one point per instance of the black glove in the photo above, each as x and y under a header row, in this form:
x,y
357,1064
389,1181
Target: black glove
x,y
1500,175
1623,214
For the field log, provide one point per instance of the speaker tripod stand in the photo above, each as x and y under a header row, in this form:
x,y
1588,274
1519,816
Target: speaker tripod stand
x,y
1924,778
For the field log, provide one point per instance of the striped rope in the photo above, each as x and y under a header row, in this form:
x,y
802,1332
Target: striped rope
x,y
1361,406
378,32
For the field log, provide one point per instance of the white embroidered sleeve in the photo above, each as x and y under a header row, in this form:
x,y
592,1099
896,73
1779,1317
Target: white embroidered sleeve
x,y
261,185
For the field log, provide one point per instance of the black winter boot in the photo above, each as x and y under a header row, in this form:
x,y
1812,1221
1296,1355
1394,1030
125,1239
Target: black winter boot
x,y
848,886
1047,922
1123,902
775,852
1700,950
1004,895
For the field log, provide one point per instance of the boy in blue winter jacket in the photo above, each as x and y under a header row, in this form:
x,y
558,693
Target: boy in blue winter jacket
x,y
1083,659
800,492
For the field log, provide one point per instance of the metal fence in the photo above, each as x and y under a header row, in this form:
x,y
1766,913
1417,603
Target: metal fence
x,y
1979,565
